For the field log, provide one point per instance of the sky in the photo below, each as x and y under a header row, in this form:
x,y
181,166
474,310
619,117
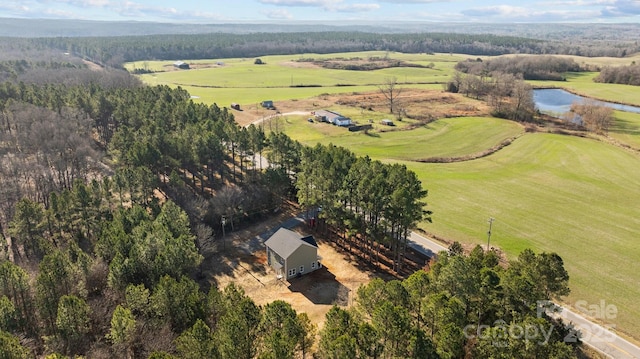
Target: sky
x,y
283,11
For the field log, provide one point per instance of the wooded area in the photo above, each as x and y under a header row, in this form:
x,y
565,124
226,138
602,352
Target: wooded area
x,y
111,192
465,306
626,75
527,67
114,51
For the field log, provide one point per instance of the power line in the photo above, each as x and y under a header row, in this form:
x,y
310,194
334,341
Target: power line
x,y
491,219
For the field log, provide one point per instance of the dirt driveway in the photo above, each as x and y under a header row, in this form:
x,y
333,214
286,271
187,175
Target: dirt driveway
x,y
244,263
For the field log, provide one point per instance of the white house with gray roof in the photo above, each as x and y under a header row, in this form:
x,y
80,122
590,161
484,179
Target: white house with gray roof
x,y
291,254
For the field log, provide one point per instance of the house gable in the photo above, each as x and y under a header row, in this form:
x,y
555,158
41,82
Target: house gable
x,y
290,254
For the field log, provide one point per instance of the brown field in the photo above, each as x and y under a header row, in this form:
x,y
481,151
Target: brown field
x,y
419,104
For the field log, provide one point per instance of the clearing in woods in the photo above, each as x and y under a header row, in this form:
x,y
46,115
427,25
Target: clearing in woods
x,y
244,263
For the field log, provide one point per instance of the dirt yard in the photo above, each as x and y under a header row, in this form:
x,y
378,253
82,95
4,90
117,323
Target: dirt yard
x,y
244,263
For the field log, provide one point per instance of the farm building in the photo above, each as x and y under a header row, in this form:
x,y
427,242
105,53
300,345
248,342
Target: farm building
x,y
181,65
291,255
387,122
267,104
357,128
333,117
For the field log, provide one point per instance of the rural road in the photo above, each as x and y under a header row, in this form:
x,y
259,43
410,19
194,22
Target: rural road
x,y
600,337
425,245
595,335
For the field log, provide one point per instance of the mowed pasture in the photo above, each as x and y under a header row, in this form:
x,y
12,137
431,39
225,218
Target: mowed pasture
x,y
283,77
574,196
452,137
555,193
626,128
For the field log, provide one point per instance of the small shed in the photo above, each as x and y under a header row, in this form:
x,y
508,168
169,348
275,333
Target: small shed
x,y
291,254
387,122
235,106
267,104
356,128
181,65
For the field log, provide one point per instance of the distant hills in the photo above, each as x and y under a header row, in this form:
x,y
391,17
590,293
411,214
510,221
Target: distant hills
x,y
13,27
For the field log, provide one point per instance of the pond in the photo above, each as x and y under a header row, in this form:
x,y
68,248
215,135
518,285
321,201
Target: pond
x,y
556,102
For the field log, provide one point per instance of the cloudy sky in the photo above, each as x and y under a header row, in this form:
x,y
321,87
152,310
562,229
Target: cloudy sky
x,y
213,11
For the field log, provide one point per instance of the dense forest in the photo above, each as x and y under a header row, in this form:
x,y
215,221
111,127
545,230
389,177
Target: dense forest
x,y
114,51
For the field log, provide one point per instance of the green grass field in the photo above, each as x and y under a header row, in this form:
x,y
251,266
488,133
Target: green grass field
x,y
626,128
453,137
281,78
574,196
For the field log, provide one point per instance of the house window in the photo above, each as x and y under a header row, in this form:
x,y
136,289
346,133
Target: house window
x,y
313,265
292,272
301,269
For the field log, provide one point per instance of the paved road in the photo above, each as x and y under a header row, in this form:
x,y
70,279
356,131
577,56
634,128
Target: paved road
x,y
600,337
595,335
425,245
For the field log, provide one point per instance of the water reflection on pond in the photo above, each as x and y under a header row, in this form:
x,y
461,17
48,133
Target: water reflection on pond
x,y
557,101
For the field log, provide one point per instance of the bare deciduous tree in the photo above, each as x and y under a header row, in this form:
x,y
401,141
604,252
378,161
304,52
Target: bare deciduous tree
x,y
523,105
391,92
226,203
595,117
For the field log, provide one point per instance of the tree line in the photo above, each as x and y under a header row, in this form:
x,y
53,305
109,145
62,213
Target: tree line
x,y
465,306
508,95
371,204
114,51
625,75
116,279
551,68
128,291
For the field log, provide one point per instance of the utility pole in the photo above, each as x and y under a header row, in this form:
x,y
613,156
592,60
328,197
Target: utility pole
x,y
491,219
224,244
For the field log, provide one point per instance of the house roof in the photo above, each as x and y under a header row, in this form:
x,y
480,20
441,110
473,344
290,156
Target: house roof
x,y
328,114
285,242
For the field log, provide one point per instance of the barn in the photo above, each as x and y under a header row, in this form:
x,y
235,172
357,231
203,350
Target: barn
x,y
181,65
